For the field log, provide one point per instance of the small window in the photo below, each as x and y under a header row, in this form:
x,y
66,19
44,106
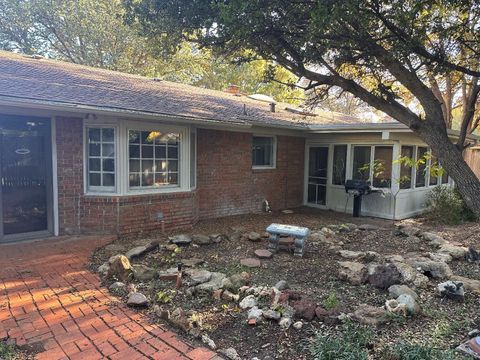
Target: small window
x,y
339,164
100,159
406,178
153,159
361,162
420,179
382,166
263,152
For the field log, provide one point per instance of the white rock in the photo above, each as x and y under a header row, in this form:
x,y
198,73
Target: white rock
x,y
230,353
209,342
255,313
298,325
285,323
248,302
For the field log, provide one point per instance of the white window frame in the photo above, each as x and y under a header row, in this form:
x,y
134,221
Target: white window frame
x,y
332,151
372,158
274,153
122,126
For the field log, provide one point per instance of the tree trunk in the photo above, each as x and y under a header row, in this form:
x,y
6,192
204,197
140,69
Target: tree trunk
x,y
457,168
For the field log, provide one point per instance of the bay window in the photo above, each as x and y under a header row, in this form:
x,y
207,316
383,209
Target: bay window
x,y
130,157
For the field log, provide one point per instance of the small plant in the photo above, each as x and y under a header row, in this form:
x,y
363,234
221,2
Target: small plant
x,y
8,351
169,259
445,205
166,296
352,343
331,302
406,351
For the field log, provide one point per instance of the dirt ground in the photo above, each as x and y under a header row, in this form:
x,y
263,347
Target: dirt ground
x,y
443,324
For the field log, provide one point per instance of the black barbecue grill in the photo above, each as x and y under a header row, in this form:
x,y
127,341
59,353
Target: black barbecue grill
x,y
358,188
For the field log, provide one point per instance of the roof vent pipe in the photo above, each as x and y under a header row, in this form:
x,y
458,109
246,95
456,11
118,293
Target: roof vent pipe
x,y
272,107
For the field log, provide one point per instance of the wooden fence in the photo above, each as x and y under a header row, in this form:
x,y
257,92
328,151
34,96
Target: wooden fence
x,y
472,157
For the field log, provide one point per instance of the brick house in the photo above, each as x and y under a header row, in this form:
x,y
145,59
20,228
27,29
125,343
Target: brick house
x,y
86,150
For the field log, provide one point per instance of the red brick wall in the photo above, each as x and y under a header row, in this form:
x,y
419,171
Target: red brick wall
x,y
227,185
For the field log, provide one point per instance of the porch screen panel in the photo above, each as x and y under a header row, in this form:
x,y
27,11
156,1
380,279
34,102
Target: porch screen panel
x,y
420,180
153,158
101,159
433,162
339,164
382,166
361,162
406,179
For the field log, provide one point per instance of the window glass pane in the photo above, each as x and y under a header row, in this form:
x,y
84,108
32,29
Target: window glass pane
x,y
421,168
101,158
339,164
108,179
382,166
262,151
405,170
108,165
361,163
94,135
107,135
94,149
433,163
153,168
193,159
94,179
94,165
444,177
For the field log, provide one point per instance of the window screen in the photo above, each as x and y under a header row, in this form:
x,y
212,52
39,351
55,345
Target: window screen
x,y
361,162
339,164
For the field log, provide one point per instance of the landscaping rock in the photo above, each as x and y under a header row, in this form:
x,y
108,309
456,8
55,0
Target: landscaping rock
x,y
298,325
192,262
443,257
255,313
103,269
209,342
272,315
215,283
236,281
201,239
263,254
181,239
456,252
407,272
454,290
285,323
281,285
137,299
409,230
430,268
248,302
143,273
120,268
472,255
136,252
434,239
250,262
198,276
353,272
330,317
179,319
230,353
317,237
370,315
304,308
254,236
396,290
368,227
469,284
412,306
117,286
384,276
217,238
395,307
228,296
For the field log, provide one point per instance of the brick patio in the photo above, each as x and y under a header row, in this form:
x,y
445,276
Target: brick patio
x,y
52,303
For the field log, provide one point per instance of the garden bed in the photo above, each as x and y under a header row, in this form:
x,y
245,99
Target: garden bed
x,y
442,323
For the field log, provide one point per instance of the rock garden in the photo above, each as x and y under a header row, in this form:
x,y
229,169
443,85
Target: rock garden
x,y
372,287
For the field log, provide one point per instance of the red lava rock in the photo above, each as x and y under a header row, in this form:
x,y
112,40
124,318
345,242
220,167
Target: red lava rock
x,y
250,262
252,322
329,317
263,254
304,308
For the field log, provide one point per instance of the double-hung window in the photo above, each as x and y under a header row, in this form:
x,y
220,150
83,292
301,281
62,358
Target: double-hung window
x,y
263,152
100,153
153,159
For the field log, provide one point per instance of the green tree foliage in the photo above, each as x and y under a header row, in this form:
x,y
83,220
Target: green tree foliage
x,y
391,54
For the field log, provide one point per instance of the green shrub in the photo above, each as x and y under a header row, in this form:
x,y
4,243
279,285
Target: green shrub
x,y
331,302
445,205
350,344
405,351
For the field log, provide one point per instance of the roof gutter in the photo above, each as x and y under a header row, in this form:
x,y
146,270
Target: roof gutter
x,y
373,127
83,109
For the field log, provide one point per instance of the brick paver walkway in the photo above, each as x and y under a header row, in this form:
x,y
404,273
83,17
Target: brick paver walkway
x,y
48,300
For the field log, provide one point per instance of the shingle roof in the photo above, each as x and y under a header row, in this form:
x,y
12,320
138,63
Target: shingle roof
x,y
66,83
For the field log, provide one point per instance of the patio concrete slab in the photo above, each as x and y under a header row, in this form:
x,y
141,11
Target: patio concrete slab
x,y
50,302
